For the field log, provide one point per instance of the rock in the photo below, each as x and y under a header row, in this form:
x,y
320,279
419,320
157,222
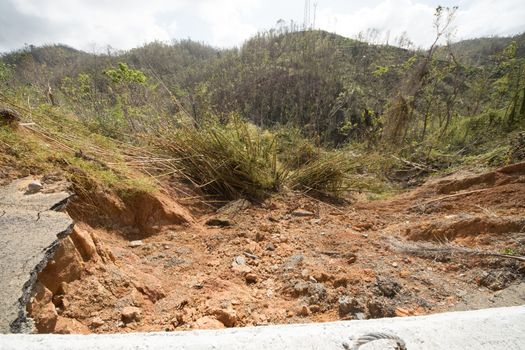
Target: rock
x,y
299,288
322,277
239,260
302,213
303,311
315,308
41,308
360,316
496,280
178,319
389,288
131,314
66,266
219,222
379,309
239,265
259,236
46,318
97,322
402,312
135,244
293,262
348,305
66,325
207,322
149,285
270,246
242,269
340,282
351,258
251,278
34,187
316,293
227,317
253,248
84,243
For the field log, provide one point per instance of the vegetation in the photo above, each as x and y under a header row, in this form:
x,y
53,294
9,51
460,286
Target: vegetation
x,y
231,160
291,108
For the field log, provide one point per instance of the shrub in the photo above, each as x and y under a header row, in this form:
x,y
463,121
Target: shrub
x,y
229,160
327,174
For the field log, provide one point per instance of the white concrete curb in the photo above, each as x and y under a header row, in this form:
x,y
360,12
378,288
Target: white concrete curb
x,y
498,328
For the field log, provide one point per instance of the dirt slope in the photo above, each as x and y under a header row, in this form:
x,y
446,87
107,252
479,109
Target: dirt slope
x,y
292,259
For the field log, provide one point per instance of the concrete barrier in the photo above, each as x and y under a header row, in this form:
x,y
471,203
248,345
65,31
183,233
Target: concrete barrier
x,y
498,328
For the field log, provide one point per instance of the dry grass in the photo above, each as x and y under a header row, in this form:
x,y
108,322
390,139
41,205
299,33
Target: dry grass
x,y
327,174
230,161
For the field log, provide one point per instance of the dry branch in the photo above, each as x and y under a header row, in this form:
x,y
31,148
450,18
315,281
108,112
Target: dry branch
x,y
428,250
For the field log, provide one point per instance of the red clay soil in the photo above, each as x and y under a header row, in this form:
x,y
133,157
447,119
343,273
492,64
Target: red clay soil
x,y
292,259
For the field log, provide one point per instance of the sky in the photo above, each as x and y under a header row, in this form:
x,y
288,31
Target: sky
x,y
92,25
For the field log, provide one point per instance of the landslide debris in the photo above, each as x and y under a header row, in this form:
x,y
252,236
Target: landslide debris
x,y
271,266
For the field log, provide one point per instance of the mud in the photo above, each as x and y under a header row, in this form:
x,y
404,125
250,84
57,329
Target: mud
x,y
269,266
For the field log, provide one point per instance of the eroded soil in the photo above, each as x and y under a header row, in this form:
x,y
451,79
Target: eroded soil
x,y
292,259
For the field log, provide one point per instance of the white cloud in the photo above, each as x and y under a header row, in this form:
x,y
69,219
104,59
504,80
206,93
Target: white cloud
x,y
389,17
486,18
473,19
124,24
226,20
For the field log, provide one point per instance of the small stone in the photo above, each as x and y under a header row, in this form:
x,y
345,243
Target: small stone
x,y
97,322
239,265
227,317
130,314
207,322
134,244
293,262
302,213
251,278
351,259
198,285
394,264
347,305
388,287
270,246
401,312
360,315
34,187
303,311
241,269
300,288
239,260
378,309
404,273
315,308
259,237
340,282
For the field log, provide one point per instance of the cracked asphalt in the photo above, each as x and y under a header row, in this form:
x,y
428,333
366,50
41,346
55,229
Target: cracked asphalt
x,y
29,233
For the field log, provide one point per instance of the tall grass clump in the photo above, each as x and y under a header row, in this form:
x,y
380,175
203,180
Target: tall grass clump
x,y
229,160
327,173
